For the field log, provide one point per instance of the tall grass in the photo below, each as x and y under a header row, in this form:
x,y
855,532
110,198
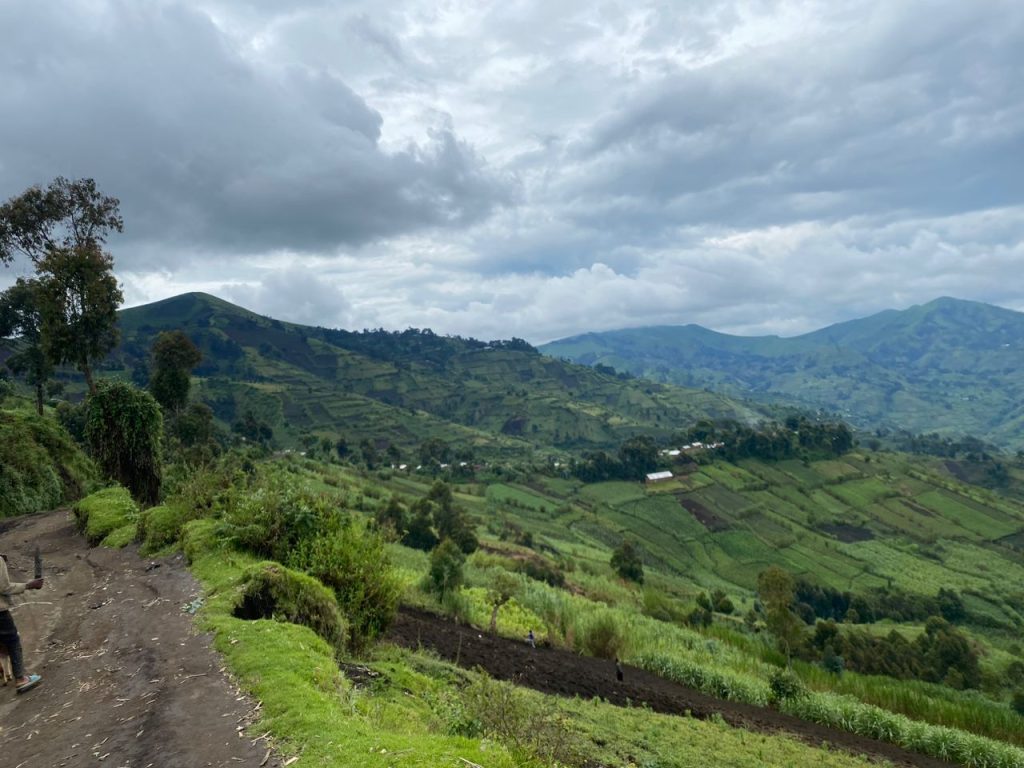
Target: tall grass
x,y
924,718
932,703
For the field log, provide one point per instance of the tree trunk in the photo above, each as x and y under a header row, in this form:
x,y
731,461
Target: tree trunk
x,y
39,398
87,372
494,618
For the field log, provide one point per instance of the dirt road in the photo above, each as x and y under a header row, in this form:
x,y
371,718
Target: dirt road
x,y
126,680
564,673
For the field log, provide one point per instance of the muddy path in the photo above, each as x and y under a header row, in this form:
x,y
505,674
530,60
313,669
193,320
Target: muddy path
x,y
564,673
127,682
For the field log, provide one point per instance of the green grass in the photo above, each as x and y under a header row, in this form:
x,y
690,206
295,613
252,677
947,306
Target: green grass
x,y
407,715
41,467
105,512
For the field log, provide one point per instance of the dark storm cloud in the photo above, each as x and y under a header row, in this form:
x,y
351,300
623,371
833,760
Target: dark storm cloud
x,y
751,165
205,145
902,110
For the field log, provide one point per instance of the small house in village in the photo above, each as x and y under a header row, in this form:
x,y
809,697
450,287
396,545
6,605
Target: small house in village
x,y
657,477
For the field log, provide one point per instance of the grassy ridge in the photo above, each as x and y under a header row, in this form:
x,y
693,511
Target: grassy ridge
x,y
502,398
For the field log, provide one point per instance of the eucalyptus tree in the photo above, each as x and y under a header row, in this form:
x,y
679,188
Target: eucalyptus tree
x,y
62,229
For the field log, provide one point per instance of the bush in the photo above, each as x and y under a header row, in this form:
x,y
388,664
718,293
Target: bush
x,y
353,562
603,637
446,567
527,728
627,563
161,526
103,512
271,591
784,685
273,518
124,427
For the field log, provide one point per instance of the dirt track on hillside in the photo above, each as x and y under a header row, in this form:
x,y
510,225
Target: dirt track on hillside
x,y
564,673
126,680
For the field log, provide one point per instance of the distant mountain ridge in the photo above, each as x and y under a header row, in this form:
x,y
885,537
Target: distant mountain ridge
x,y
950,366
402,388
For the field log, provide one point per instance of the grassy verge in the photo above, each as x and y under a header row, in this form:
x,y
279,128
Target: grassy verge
x,y
411,709
109,516
40,465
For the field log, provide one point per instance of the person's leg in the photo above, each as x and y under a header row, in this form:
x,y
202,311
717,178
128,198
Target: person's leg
x,y
9,637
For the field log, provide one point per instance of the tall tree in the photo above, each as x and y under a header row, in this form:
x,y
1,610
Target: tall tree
x,y
62,229
79,297
20,317
67,215
174,356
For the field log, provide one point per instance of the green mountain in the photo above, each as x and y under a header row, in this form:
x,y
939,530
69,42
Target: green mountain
x,y
949,366
406,387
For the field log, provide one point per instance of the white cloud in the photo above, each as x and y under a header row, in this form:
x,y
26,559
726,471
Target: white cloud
x,y
536,169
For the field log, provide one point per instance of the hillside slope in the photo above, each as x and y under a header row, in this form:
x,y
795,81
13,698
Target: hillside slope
x,y
402,388
952,366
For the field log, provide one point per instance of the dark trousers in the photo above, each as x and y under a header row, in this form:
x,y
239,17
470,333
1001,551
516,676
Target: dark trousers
x,y
9,639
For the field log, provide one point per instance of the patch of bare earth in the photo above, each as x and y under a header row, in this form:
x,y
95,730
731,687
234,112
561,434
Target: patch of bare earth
x,y
127,682
563,673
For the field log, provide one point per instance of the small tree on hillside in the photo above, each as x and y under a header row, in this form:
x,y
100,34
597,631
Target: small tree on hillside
x,y
502,590
776,588
174,356
123,429
446,567
627,563
20,316
419,532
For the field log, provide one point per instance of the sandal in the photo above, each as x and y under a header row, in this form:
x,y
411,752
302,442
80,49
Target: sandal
x,y
33,681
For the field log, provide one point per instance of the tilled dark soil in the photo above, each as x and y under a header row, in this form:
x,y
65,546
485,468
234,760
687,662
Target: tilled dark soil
x,y
564,673
127,682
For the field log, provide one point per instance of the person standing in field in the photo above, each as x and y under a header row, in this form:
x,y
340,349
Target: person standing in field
x,y
9,637
531,639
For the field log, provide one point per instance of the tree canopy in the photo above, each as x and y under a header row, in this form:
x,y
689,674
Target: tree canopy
x,y
79,297
174,356
66,216
62,230
20,316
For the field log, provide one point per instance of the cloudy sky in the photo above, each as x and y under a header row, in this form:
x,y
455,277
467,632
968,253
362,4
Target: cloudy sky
x,y
535,168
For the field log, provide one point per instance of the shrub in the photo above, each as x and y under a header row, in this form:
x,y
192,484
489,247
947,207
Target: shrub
x,y
784,685
103,512
161,526
446,567
603,637
627,563
527,728
273,518
272,591
124,427
353,562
